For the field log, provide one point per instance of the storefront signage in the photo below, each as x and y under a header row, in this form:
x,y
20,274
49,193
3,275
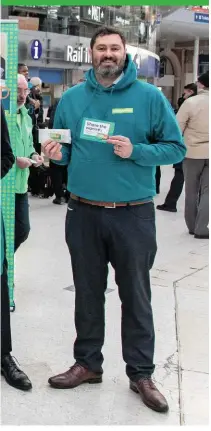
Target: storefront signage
x,y
202,9
122,21
77,55
93,13
201,17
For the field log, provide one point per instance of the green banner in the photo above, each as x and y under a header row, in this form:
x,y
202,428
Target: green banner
x,y
9,60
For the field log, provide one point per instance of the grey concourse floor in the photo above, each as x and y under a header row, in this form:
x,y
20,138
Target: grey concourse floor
x,y
43,329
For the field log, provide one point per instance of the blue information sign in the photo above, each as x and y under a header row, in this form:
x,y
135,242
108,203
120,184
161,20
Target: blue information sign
x,y
36,49
201,17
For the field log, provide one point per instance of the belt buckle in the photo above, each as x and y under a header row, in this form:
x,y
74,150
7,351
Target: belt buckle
x,y
111,206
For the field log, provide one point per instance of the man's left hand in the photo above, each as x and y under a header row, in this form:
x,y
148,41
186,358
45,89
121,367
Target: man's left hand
x,y
38,159
122,146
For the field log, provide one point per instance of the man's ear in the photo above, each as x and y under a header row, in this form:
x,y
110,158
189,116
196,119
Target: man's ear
x,y
90,53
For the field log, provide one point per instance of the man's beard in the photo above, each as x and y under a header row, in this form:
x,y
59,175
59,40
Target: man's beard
x,y
20,105
110,71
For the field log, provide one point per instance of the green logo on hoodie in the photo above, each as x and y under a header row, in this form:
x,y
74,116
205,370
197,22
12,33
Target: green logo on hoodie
x,y
122,111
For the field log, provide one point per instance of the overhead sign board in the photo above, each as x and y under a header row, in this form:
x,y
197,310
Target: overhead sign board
x,y
93,13
201,17
77,54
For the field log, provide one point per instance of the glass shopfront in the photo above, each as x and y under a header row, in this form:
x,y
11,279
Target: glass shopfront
x,y
65,32
138,23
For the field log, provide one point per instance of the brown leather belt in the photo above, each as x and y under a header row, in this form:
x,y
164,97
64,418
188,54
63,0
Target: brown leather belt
x,y
107,204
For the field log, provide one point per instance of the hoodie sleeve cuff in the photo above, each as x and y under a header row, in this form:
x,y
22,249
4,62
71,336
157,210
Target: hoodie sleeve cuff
x,y
136,153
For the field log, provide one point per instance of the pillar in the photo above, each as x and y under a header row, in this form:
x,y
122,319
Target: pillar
x,y
195,59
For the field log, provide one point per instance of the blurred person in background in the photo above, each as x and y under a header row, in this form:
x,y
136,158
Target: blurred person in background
x,y
189,91
177,183
193,118
34,104
36,110
58,173
23,70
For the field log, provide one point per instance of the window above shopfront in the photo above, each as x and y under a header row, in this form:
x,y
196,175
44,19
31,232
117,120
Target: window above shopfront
x,y
136,22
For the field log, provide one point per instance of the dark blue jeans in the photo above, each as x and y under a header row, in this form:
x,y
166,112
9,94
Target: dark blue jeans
x,y
22,226
126,238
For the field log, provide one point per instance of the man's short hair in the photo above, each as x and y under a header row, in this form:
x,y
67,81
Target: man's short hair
x,y
21,78
192,87
204,79
106,31
20,65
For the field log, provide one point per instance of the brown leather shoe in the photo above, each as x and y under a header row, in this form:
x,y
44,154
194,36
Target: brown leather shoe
x,y
150,395
75,376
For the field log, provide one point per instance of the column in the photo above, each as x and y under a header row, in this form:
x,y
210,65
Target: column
x,y
182,83
195,59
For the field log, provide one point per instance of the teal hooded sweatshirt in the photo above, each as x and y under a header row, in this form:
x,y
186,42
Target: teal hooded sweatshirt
x,y
138,111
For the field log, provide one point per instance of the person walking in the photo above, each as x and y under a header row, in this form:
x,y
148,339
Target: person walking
x,y
193,118
177,183
121,129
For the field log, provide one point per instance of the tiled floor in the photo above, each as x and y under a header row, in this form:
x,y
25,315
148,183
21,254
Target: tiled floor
x,y
43,329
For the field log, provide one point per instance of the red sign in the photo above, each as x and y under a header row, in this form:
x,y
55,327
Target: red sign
x,y
201,9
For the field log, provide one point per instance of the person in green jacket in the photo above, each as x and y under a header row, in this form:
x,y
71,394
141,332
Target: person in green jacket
x,y
25,155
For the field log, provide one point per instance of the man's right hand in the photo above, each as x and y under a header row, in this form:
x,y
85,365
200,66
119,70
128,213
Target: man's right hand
x,y
36,104
23,162
52,150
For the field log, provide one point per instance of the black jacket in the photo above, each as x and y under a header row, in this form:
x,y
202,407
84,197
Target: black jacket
x,y
37,119
35,114
7,157
51,114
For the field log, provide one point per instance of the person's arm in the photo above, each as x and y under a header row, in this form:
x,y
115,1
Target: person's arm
x,y
167,146
32,154
52,115
40,113
183,115
7,156
59,124
31,149
49,111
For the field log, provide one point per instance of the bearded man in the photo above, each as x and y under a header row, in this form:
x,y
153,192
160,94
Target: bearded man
x,y
121,130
